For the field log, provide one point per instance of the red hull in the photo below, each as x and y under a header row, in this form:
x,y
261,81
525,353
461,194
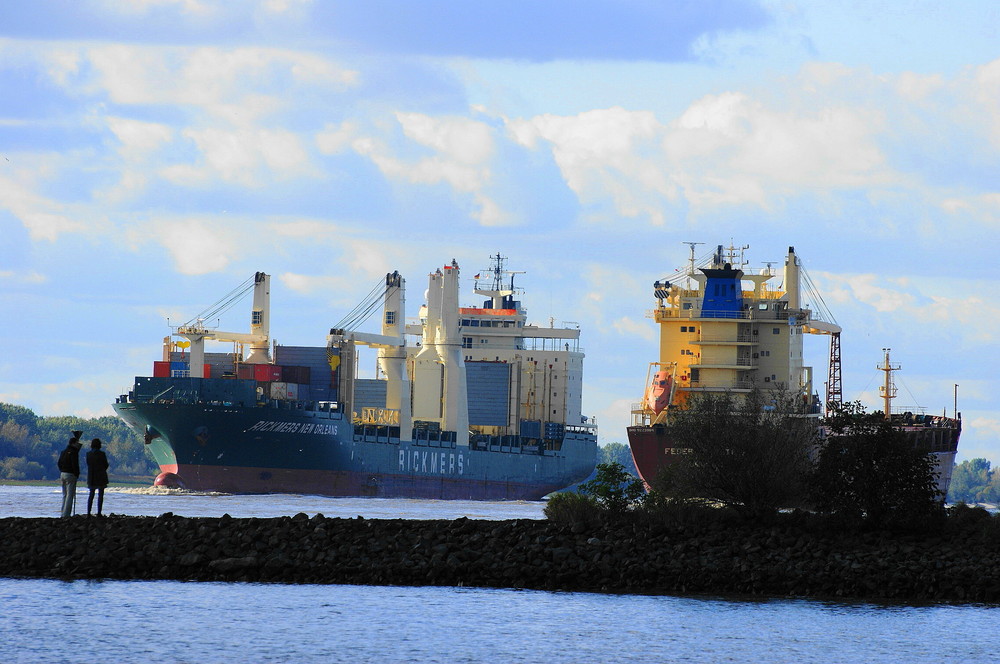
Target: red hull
x,y
652,451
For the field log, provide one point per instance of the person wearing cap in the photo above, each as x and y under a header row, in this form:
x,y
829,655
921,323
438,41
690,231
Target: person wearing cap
x,y
69,472
97,475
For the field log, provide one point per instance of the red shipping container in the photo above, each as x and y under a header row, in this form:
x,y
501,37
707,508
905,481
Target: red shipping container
x,y
208,371
265,373
161,369
245,371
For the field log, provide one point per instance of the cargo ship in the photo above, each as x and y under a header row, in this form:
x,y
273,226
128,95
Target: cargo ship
x,y
481,405
725,329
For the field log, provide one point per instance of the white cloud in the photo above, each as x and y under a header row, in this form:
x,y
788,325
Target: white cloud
x,y
303,229
336,139
31,277
984,207
311,284
240,156
917,87
196,7
870,289
921,300
138,138
198,246
987,425
630,327
237,84
45,219
987,94
731,149
464,149
605,153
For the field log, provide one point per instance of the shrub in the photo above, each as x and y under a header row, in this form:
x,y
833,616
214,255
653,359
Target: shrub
x,y
572,507
614,489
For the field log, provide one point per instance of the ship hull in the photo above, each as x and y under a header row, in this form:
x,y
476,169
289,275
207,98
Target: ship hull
x,y
653,450
279,450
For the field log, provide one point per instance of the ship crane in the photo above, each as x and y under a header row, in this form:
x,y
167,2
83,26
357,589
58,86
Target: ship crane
x,y
258,337
390,344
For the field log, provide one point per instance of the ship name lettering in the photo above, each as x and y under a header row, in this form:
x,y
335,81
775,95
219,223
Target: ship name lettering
x,y
429,461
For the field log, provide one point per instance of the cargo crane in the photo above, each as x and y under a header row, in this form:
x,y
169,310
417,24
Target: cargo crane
x,y
258,337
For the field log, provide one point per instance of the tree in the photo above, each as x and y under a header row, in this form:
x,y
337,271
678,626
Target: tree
x,y
29,445
973,482
617,453
869,470
614,489
749,451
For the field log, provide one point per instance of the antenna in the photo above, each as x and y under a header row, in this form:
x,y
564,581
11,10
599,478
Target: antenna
x,y
690,273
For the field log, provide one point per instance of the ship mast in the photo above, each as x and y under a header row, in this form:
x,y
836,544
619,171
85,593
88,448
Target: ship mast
x,y
690,272
888,389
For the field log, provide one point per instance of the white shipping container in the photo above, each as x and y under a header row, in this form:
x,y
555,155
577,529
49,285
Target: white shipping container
x,y
279,390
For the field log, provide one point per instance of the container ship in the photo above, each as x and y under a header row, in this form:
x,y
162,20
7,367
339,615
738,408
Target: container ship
x,y
481,405
724,329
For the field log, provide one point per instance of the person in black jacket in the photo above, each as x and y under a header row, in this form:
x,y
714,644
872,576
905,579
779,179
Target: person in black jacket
x,y
69,472
97,475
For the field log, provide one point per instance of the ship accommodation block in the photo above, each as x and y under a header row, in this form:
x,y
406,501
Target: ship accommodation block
x,y
521,378
721,337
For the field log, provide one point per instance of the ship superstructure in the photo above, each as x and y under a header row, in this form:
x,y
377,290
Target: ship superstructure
x,y
724,328
474,407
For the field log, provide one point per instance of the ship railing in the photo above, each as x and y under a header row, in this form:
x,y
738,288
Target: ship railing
x,y
547,344
377,433
726,338
724,385
696,313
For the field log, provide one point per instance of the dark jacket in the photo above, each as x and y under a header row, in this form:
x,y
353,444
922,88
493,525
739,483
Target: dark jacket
x,y
69,460
97,469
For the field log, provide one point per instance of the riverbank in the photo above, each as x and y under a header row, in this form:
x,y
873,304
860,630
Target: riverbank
x,y
712,558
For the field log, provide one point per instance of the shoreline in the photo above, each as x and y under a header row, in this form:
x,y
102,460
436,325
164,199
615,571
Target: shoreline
x,y
761,561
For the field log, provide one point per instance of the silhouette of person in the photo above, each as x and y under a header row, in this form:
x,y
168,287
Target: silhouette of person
x,y
97,475
69,472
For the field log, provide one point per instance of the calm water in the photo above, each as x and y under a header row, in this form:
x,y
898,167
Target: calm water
x,y
34,501
149,621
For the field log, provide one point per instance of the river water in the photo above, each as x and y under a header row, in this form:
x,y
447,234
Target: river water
x,y
147,621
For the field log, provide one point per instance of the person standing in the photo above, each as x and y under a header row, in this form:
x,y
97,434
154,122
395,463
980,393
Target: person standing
x,y
69,472
97,475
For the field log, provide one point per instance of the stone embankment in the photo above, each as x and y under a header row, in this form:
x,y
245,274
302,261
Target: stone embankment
x,y
724,559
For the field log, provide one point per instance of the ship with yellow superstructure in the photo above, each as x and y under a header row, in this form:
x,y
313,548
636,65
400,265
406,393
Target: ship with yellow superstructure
x,y
725,329
722,329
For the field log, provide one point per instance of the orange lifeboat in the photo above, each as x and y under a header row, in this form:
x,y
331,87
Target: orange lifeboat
x,y
658,392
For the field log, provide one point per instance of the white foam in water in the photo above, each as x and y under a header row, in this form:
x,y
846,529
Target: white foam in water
x,y
163,491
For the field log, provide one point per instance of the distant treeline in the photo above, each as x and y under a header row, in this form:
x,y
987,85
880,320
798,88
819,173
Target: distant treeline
x,y
974,482
617,453
30,445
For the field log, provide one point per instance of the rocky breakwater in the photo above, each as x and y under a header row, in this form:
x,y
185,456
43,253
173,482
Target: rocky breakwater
x,y
713,558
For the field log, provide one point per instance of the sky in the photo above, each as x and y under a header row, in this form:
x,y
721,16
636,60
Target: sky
x,y
154,154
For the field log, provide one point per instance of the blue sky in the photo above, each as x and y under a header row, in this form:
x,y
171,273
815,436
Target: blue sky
x,y
155,153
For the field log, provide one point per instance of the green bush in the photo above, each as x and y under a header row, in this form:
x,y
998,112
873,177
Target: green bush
x,y
614,489
572,508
